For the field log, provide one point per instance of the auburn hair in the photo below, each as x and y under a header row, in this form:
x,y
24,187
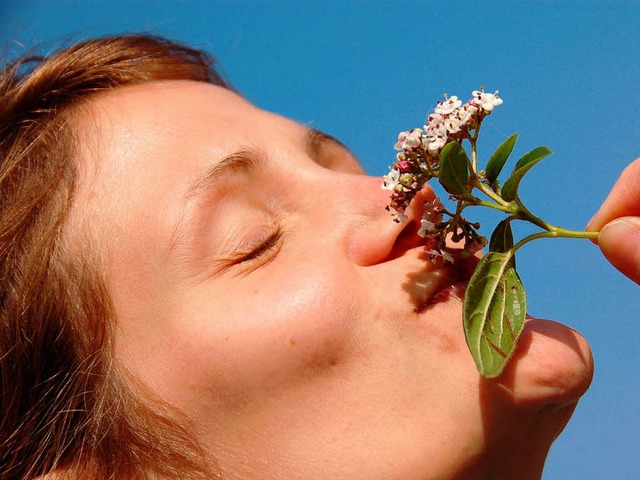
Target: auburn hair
x,y
67,411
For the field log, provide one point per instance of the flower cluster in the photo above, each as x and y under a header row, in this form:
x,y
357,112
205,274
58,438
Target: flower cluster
x,y
439,150
418,161
431,228
409,172
434,229
453,121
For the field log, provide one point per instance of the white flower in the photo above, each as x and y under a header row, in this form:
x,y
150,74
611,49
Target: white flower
x,y
486,101
448,106
391,179
426,227
431,216
409,140
444,254
433,210
436,144
447,256
400,217
465,113
436,138
452,124
433,121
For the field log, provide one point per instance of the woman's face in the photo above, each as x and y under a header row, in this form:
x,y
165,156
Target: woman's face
x,y
262,288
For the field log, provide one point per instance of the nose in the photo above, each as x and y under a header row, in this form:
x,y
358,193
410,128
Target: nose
x,y
374,235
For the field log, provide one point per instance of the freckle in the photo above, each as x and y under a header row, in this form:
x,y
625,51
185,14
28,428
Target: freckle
x,y
293,342
333,362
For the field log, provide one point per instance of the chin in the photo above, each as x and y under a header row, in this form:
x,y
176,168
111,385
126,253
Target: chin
x,y
528,406
552,366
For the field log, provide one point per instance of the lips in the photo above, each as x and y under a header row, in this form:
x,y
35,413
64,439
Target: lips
x,y
455,290
423,286
428,287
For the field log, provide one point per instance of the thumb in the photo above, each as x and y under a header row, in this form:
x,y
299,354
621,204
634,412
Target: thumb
x,y
619,241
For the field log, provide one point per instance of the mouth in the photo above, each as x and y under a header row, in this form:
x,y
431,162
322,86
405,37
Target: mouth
x,y
429,287
426,288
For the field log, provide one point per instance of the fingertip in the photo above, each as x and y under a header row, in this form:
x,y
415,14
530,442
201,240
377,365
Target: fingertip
x,y
622,201
594,225
619,241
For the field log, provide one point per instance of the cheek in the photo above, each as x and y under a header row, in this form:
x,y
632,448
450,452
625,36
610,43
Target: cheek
x,y
259,337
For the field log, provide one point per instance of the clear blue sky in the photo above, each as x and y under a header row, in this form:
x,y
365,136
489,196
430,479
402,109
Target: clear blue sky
x,y
569,74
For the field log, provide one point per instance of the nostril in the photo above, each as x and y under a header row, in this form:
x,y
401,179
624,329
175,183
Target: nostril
x,y
376,238
407,239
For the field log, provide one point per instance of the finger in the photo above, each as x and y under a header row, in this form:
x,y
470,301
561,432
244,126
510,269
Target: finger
x,y
619,241
623,200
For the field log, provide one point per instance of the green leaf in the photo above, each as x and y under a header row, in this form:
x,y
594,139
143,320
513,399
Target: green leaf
x,y
502,239
494,310
499,158
454,173
510,188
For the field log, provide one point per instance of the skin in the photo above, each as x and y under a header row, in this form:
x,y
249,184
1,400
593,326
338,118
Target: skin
x,y
618,221
317,358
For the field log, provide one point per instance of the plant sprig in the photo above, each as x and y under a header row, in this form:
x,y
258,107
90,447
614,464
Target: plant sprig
x,y
495,301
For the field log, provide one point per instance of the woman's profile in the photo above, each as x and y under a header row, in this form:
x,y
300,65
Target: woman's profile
x,y
193,287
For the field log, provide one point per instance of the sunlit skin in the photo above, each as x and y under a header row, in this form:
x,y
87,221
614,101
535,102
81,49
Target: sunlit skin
x,y
281,308
618,221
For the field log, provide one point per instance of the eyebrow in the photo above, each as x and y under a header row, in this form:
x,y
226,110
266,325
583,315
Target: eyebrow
x,y
247,160
243,161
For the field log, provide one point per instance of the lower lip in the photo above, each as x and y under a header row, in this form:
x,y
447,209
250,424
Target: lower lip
x,y
455,291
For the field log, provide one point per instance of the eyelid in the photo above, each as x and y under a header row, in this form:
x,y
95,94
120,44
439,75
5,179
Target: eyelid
x,y
262,247
331,153
251,258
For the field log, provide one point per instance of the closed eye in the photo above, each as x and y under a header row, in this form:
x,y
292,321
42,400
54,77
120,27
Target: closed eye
x,y
262,249
247,260
331,153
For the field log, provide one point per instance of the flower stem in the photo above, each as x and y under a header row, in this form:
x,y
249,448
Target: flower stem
x,y
530,238
525,213
490,193
484,203
556,232
474,151
564,233
474,155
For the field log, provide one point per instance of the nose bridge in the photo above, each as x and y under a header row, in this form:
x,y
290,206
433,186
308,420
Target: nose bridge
x,y
369,200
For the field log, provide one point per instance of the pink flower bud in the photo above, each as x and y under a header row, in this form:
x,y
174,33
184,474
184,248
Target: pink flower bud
x,y
404,166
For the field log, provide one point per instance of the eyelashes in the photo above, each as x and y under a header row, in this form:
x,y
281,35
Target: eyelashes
x,y
247,240
269,244
249,255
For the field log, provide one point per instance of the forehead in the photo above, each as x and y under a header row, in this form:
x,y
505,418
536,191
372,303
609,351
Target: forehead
x,y
170,126
156,109
141,146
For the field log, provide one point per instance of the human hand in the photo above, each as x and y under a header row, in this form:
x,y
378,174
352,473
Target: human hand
x,y
618,220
